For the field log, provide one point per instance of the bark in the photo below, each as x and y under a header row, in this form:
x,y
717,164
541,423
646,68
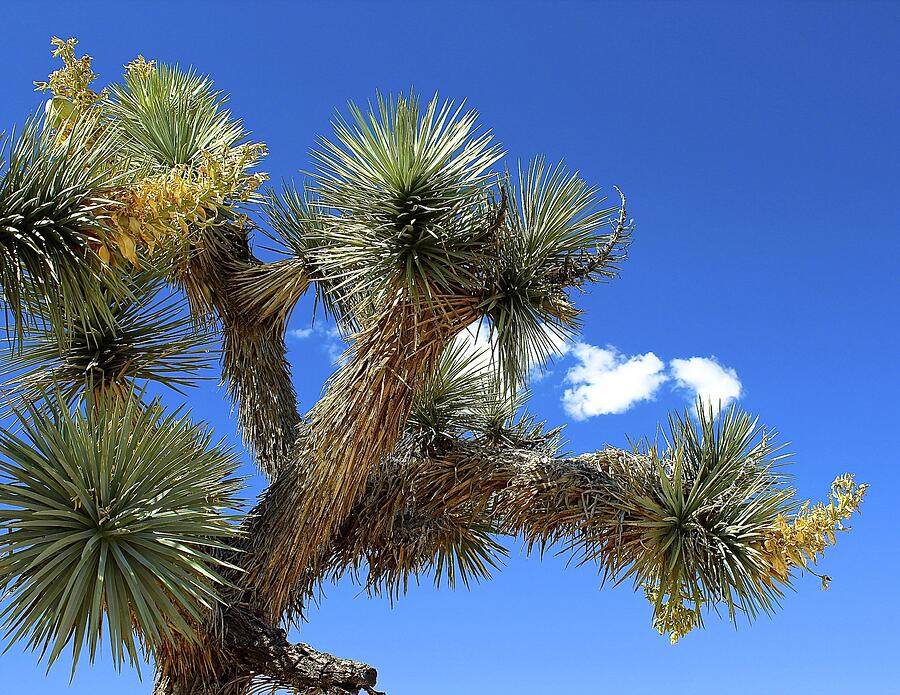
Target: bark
x,y
355,426
259,649
255,369
245,650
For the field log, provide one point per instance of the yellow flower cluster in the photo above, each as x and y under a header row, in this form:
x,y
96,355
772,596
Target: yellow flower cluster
x,y
798,542
672,616
140,67
158,209
164,208
72,81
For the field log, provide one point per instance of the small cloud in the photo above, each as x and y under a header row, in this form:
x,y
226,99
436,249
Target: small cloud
x,y
477,343
481,343
606,382
335,350
705,378
331,341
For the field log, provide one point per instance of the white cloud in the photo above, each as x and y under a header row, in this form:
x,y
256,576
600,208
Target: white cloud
x,y
704,377
606,382
478,341
330,340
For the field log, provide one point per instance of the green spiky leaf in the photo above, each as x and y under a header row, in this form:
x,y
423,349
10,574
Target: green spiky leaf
x,y
556,222
406,188
166,117
112,518
697,533
49,210
150,337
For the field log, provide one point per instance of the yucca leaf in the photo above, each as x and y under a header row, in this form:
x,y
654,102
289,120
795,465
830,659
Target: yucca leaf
x,y
167,117
555,225
148,337
404,188
108,514
50,210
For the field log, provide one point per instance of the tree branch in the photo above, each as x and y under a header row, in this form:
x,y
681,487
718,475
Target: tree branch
x,y
416,503
577,270
263,652
254,366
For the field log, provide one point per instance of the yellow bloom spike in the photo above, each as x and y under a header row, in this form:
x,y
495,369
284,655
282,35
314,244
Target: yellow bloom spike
x,y
163,209
800,541
73,80
140,66
671,616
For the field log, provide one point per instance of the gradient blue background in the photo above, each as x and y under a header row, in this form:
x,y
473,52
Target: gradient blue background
x,y
758,144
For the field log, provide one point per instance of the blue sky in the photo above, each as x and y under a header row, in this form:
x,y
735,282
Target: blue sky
x,y
758,145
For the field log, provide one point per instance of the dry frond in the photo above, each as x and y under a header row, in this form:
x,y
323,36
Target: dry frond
x,y
356,424
254,368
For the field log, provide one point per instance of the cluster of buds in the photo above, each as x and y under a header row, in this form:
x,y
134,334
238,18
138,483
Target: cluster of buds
x,y
799,541
672,616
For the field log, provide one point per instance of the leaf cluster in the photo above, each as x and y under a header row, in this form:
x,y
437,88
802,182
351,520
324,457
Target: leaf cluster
x,y
114,517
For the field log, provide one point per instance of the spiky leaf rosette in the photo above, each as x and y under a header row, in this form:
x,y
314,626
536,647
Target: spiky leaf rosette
x,y
48,216
696,521
299,230
447,403
168,117
406,188
112,518
556,235
150,337
465,397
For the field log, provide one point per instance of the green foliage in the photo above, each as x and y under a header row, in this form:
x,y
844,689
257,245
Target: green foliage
x,y
555,218
406,188
466,398
150,337
165,117
698,534
298,226
49,201
113,518
447,403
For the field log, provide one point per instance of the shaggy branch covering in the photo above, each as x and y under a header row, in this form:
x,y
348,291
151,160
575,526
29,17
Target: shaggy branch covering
x,y
254,363
245,653
354,426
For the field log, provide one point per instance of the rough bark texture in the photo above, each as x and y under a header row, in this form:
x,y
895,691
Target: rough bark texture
x,y
355,425
402,505
255,369
418,503
244,650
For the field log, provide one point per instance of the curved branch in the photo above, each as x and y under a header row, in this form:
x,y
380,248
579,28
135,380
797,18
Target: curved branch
x,y
351,429
416,503
700,523
579,269
264,653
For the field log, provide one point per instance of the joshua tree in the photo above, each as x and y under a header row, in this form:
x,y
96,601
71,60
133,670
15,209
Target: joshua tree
x,y
126,222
